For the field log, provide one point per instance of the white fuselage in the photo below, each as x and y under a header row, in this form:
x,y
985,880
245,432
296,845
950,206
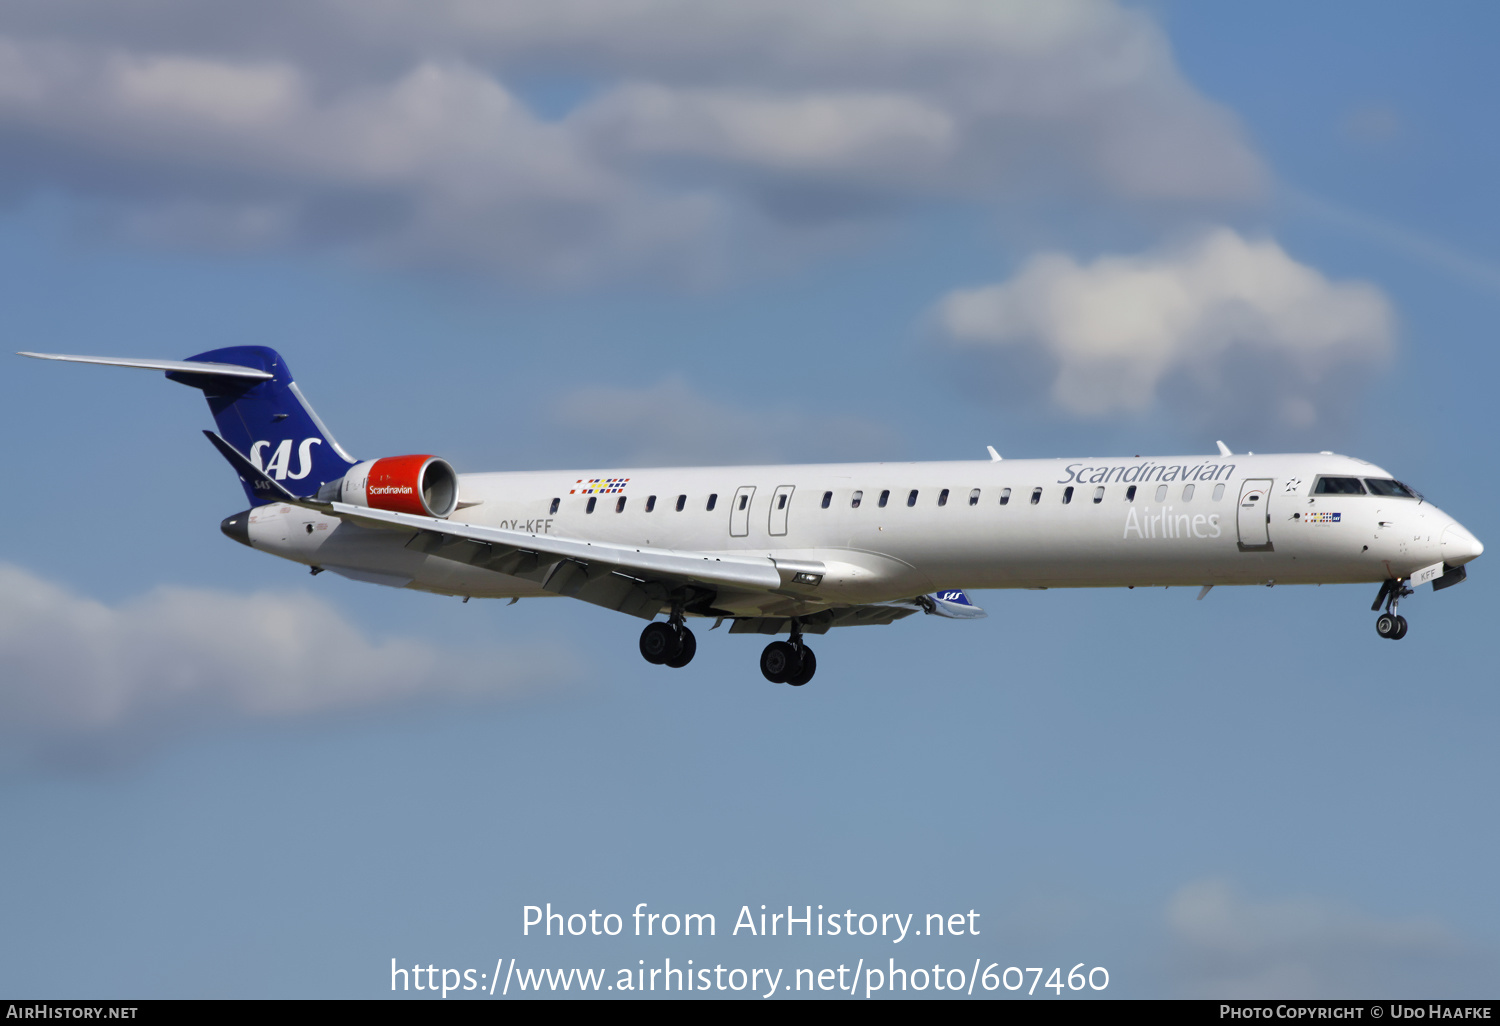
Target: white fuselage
x,y
1248,520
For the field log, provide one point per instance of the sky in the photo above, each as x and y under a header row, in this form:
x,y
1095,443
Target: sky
x,y
587,234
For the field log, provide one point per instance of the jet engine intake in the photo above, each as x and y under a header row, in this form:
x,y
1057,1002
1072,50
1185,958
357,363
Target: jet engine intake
x,y
420,485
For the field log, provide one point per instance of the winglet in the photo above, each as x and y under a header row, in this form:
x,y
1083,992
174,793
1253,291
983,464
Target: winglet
x,y
995,457
1224,450
953,604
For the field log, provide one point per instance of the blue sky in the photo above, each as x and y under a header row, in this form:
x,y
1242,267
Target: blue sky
x,y
587,235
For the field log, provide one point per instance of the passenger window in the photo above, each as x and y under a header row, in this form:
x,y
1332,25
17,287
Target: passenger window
x,y
1036,496
1161,493
713,500
650,503
743,499
1218,492
1187,493
781,502
1098,495
856,499
911,500
1338,486
681,502
555,503
1067,495
942,497
974,497
885,497
827,499
1130,494
1004,496
620,506
590,507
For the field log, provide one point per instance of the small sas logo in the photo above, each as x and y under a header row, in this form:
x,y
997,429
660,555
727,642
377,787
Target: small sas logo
x,y
599,486
1322,518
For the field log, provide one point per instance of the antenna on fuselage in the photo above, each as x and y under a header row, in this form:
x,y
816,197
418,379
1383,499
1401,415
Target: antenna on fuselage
x,y
995,457
1224,450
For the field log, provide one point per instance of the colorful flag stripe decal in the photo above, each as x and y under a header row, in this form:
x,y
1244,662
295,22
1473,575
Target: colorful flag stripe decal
x,y
599,486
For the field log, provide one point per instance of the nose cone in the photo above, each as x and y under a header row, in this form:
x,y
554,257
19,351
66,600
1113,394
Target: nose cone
x,y
238,527
1459,546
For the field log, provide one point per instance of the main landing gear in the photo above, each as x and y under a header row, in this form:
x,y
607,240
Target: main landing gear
x,y
789,662
1391,624
669,644
782,662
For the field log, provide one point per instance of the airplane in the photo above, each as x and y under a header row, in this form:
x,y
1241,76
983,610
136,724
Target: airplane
x,y
800,549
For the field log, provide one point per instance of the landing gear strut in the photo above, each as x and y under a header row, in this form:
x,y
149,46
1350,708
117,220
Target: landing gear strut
x,y
1391,624
669,644
789,662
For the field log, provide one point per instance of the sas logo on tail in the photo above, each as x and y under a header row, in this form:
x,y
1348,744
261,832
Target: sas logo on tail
x,y
278,468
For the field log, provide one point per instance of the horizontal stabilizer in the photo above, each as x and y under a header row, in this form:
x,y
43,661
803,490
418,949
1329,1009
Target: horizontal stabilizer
x,y
218,370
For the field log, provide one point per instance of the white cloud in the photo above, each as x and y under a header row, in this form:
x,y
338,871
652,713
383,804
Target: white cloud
x,y
1228,946
77,669
670,424
1222,327
440,165
843,133
385,129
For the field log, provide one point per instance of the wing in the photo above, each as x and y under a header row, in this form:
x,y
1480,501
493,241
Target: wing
x,y
634,580
642,581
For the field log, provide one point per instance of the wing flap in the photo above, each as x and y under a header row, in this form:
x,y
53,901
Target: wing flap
x,y
616,576
824,620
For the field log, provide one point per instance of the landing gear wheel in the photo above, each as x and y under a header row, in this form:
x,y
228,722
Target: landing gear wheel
x,y
1388,626
779,662
688,649
659,643
1400,628
805,673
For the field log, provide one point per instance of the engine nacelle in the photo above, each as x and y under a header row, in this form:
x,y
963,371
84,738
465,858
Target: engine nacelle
x,y
421,485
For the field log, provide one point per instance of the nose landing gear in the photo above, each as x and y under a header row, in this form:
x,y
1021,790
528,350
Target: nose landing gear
x,y
789,662
1391,624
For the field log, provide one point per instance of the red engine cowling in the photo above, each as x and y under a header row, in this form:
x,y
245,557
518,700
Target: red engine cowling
x,y
422,485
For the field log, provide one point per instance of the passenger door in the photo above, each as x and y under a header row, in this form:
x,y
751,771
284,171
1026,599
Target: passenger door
x,y
780,504
1255,515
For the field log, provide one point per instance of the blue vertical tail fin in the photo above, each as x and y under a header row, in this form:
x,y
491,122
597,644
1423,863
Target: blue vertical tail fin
x,y
260,412
267,419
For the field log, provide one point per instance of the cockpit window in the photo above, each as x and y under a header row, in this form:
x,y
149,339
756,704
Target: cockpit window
x,y
1385,486
1338,486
